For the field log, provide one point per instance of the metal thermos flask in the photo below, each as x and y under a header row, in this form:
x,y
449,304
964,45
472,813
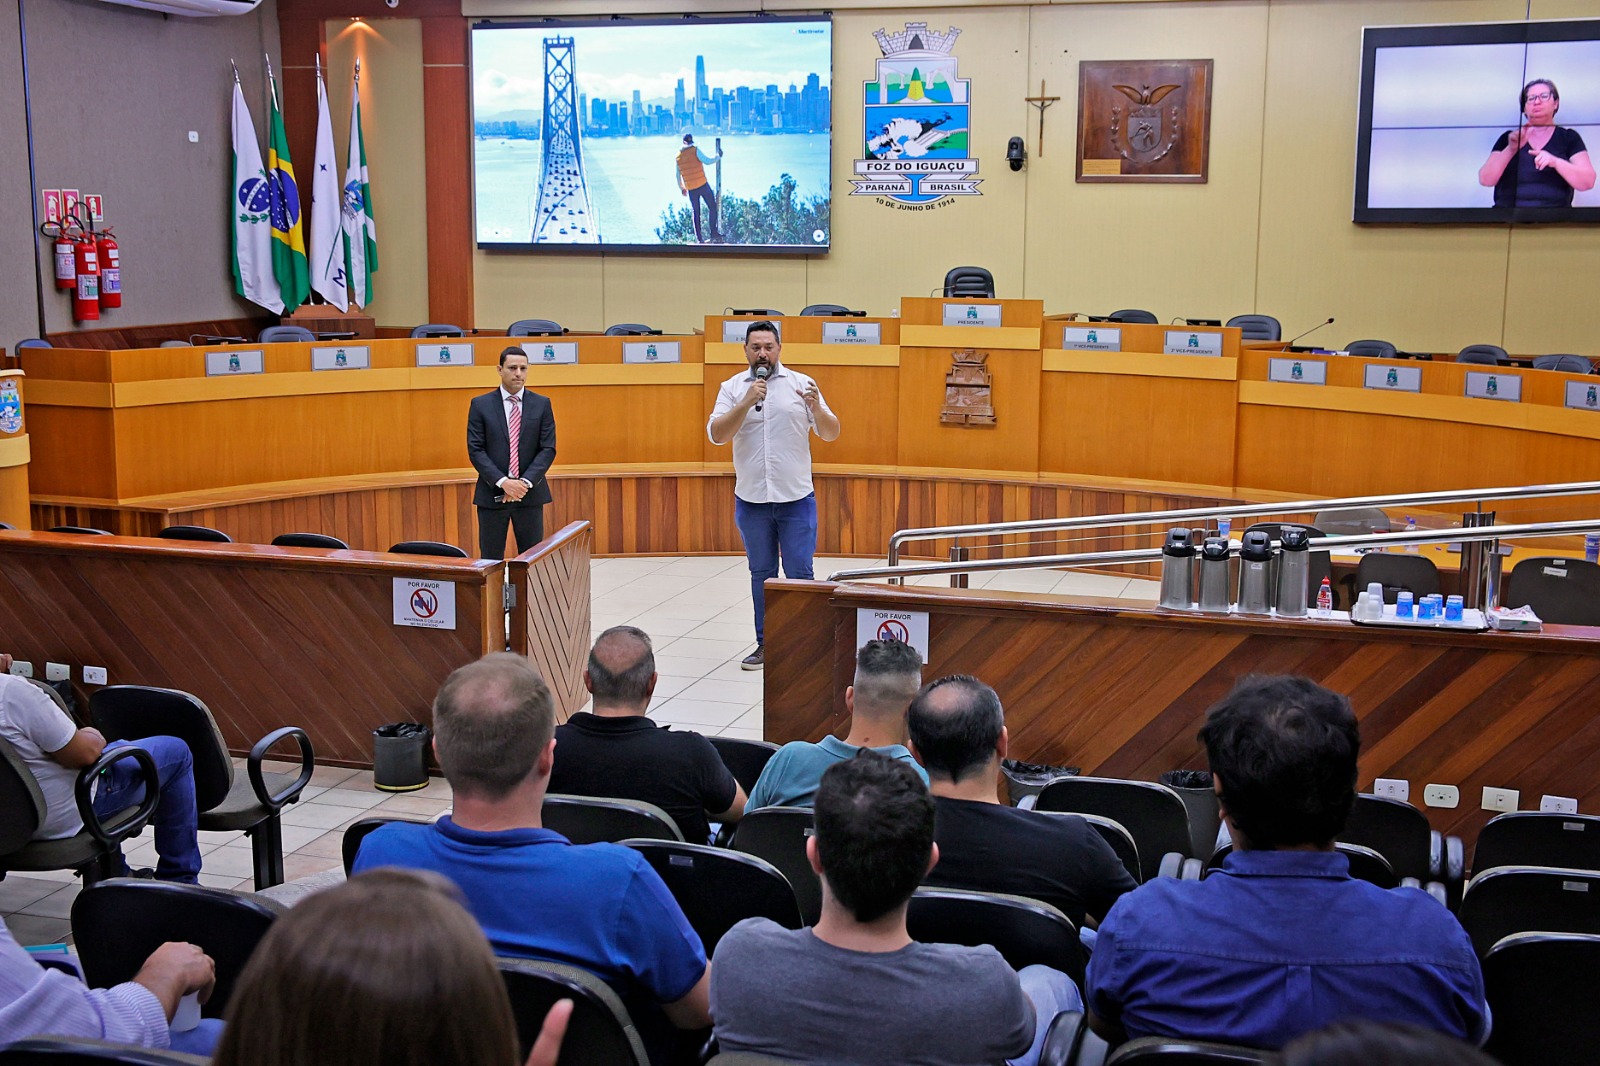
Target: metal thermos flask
x,y
1214,576
1177,570
1255,568
1294,572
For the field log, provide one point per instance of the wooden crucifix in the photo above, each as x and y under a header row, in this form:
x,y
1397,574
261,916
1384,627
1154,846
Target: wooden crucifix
x,y
1041,102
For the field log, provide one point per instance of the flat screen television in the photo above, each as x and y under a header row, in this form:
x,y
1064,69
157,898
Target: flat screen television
x,y
1484,122
702,135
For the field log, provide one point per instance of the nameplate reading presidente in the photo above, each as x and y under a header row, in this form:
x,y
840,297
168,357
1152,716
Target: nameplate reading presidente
x,y
346,357
221,364
1192,342
972,314
1091,339
432,353
852,333
551,352
652,352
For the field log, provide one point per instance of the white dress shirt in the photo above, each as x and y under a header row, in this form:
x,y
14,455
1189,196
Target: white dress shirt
x,y
772,449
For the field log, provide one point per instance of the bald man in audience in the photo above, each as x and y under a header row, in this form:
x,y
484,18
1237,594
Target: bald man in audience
x,y
616,750
888,674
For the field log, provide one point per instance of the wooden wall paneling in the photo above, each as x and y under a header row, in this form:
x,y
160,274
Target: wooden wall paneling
x,y
1011,446
74,451
1146,428
551,623
864,398
447,128
301,42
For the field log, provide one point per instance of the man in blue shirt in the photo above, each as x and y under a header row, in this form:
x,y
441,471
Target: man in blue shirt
x,y
888,675
1281,940
597,906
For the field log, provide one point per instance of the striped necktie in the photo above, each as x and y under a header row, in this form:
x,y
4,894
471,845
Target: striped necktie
x,y
514,427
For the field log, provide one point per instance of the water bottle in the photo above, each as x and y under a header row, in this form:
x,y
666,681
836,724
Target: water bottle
x,y
1325,599
1411,527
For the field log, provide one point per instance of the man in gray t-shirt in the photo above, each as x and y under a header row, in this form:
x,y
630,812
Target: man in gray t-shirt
x,y
855,989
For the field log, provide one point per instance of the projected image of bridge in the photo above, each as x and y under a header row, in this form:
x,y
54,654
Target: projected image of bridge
x,y
563,213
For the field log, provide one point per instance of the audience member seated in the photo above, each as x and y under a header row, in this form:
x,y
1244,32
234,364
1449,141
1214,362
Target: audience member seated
x,y
1281,940
55,750
616,751
536,895
1377,1044
855,988
35,1001
958,734
888,674
384,970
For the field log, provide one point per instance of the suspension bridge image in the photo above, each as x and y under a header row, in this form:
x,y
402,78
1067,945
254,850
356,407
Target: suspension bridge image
x,y
563,213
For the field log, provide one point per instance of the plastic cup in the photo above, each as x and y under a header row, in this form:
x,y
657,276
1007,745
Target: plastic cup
x,y
187,1016
1224,527
1402,604
1452,609
1427,611
1591,547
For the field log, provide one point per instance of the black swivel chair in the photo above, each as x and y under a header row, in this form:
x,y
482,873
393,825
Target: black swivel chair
x,y
1397,573
630,329
357,831
1170,1051
31,342
1561,591
286,335
94,853
1154,814
227,802
1353,521
717,888
1373,349
308,540
778,835
428,547
1025,931
117,924
82,531
1132,315
820,310
597,820
82,1051
535,327
1542,989
1486,354
969,282
1508,900
745,759
1114,833
1539,838
1257,327
600,1032
1403,836
1365,864
761,312
436,329
1566,364
203,533
7,525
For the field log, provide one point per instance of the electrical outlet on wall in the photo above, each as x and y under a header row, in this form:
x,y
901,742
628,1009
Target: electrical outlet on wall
x,y
22,668
1441,795
57,671
1392,788
94,675
1500,799
1558,805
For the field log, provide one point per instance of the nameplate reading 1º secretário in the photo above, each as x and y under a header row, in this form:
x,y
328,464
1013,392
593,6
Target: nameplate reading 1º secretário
x,y
1091,339
852,333
221,364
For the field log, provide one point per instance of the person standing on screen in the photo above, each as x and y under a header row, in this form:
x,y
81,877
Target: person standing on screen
x,y
1538,164
511,440
692,163
769,412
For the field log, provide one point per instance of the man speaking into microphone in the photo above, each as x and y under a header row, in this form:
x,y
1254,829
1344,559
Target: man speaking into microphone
x,y
769,412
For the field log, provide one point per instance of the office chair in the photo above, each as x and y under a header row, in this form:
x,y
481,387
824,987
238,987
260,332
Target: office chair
x,y
600,1032
1542,988
7,525
969,282
1486,354
630,329
176,344
1154,814
31,342
1507,900
428,547
205,533
820,310
1403,836
1397,573
1175,1051
1024,931
1132,314
82,531
1365,863
778,835
228,802
534,327
1257,327
745,759
1353,521
356,832
436,329
1115,834
286,335
308,540
1373,349
1560,590
1566,364
1539,838
94,852
717,888
605,820
759,312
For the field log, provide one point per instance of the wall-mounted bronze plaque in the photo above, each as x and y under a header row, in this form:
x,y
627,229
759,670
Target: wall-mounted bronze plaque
x,y
968,400
1144,120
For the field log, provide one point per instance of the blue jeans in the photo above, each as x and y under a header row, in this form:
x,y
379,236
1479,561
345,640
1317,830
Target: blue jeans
x,y
175,818
202,1040
771,529
1052,992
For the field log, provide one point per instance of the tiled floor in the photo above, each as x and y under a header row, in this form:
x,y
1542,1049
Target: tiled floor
x,y
696,609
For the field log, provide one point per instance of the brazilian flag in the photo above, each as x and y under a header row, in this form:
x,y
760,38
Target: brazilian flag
x,y
288,236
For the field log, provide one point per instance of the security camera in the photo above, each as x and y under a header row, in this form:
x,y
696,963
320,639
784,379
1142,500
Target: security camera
x,y
1016,154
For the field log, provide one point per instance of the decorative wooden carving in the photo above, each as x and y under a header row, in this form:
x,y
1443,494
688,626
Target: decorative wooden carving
x,y
967,390
1144,120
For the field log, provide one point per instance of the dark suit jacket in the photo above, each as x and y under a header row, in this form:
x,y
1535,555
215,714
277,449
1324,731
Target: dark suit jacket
x,y
489,446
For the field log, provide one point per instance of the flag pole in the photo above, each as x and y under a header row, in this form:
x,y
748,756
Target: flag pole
x,y
235,67
272,83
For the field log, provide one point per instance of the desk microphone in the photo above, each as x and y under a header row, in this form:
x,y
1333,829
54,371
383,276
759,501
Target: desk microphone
x,y
762,373
1310,331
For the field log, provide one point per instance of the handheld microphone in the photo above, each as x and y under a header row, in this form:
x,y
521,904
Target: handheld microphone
x,y
1310,331
762,373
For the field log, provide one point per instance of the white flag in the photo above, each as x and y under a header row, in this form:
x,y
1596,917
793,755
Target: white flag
x,y
360,230
251,205
327,231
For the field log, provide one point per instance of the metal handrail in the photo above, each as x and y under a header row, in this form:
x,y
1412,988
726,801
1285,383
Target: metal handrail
x,y
1175,517
1150,555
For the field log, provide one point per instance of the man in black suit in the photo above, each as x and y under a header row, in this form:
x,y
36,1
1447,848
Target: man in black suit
x,y
511,482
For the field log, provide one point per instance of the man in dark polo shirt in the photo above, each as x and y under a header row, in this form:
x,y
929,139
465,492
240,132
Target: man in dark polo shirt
x,y
616,751
958,734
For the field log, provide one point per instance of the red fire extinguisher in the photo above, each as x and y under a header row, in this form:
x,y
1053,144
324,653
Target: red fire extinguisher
x,y
66,267
86,296
110,270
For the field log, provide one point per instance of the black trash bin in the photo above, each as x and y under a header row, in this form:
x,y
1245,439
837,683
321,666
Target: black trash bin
x,y
400,756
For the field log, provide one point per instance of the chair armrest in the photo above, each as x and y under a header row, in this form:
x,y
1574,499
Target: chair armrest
x,y
83,792
1171,864
308,763
1028,802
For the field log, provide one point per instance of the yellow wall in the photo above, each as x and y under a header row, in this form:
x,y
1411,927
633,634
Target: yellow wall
x,y
390,51
1270,231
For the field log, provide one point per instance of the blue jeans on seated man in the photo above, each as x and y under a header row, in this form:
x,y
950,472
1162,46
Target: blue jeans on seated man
x,y
770,530
175,818
1052,992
